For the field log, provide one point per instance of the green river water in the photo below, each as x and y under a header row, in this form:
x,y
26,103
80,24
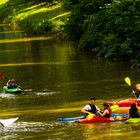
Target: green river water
x,y
61,81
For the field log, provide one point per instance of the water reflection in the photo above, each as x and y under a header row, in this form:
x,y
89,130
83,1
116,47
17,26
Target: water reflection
x,y
23,39
109,131
9,32
62,80
35,63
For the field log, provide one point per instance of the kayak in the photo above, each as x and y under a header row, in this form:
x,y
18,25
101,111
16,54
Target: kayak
x,y
97,119
133,120
83,117
126,102
7,122
12,90
70,119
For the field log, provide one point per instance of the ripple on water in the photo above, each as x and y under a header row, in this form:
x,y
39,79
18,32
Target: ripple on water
x,y
31,127
46,93
7,95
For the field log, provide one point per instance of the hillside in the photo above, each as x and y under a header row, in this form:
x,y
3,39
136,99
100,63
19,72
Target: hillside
x,y
37,18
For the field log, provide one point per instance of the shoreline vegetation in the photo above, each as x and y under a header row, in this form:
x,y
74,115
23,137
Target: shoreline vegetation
x,y
39,18
108,29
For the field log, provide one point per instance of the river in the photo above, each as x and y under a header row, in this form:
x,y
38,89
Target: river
x,y
58,81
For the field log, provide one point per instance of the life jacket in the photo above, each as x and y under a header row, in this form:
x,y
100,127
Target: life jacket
x,y
108,115
12,86
93,109
134,113
137,94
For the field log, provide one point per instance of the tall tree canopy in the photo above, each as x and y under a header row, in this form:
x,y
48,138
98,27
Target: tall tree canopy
x,y
107,28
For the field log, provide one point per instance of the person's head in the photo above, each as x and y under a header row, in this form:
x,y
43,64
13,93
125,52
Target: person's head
x,y
106,105
138,86
12,81
92,100
133,105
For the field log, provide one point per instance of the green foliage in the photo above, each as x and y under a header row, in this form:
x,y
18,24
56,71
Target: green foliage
x,y
34,16
40,1
38,26
108,30
80,11
9,8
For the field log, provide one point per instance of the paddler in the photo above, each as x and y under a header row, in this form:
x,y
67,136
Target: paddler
x,y
107,112
91,108
12,84
136,93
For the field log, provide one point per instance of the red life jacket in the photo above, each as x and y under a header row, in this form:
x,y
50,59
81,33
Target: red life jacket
x,y
108,115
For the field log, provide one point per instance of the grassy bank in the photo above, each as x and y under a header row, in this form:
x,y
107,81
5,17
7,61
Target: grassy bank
x,y
38,18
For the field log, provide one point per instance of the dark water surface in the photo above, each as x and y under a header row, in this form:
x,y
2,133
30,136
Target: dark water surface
x,y
61,80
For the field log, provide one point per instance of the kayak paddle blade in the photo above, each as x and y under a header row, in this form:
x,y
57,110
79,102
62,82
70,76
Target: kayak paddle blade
x,y
128,81
114,107
2,75
90,116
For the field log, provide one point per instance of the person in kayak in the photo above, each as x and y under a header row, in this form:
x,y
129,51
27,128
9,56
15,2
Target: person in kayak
x,y
91,108
106,112
11,84
133,111
136,93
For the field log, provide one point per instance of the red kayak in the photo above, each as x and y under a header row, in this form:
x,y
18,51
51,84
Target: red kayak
x,y
126,102
100,119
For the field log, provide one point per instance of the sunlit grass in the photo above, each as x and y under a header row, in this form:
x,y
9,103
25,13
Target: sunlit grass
x,y
34,10
32,7
3,1
61,15
39,18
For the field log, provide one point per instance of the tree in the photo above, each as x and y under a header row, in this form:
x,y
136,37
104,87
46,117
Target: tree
x,y
109,30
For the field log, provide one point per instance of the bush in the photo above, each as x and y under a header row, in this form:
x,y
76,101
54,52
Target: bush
x,y
111,31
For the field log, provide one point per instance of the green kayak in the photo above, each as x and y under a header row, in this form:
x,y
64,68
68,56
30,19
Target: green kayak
x,y
133,120
12,90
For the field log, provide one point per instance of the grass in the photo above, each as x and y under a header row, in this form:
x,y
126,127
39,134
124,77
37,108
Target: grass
x,y
3,1
35,18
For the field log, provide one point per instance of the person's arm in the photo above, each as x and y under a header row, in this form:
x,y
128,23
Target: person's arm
x,y
133,93
98,110
85,109
104,113
8,82
17,85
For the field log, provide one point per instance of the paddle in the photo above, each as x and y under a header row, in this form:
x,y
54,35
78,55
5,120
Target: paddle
x,y
114,107
2,75
1,124
128,81
90,116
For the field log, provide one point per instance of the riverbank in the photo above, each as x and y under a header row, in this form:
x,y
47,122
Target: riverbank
x,y
34,18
